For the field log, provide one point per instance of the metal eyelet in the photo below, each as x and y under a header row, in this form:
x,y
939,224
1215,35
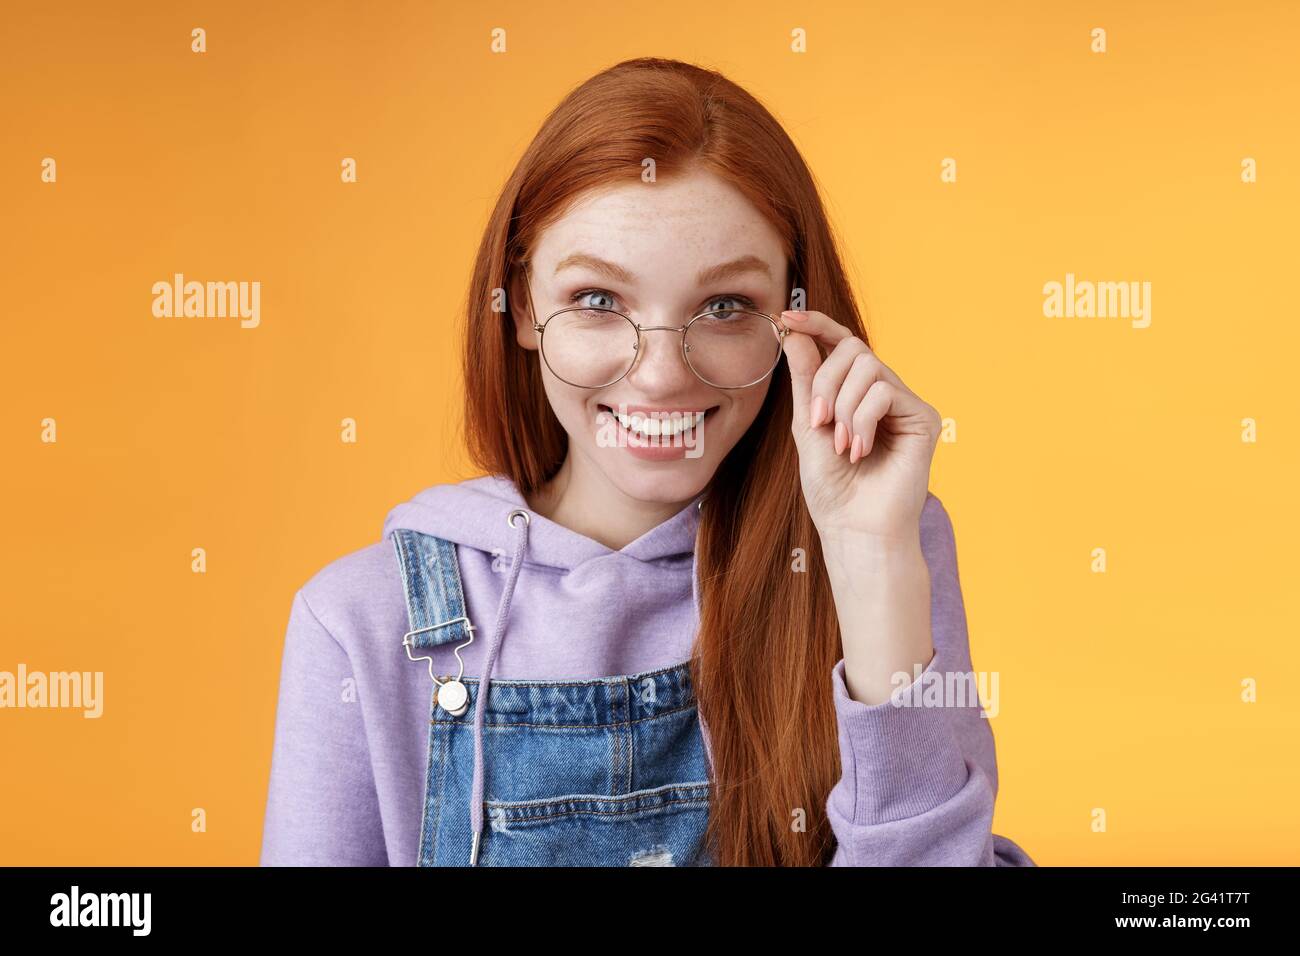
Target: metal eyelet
x,y
510,518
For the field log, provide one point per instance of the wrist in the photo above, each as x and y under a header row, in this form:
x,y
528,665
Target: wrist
x,y
855,548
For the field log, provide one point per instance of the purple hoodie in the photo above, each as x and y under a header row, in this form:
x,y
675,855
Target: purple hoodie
x,y
351,731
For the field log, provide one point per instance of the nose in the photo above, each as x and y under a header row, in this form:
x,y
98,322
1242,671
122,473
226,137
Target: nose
x,y
660,368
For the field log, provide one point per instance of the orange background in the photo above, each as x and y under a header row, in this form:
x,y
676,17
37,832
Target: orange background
x,y
1118,690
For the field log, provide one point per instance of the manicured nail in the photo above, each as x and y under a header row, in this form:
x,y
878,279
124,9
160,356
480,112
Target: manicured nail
x,y
856,450
841,437
818,410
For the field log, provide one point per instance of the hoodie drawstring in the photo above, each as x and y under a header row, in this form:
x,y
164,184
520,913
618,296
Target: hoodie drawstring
x,y
489,658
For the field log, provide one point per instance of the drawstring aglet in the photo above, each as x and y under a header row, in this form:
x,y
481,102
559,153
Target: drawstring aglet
x,y
473,850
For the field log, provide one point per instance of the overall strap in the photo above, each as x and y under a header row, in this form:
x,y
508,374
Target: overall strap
x,y
435,602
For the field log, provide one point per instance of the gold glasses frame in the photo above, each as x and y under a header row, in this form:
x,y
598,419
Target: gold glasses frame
x,y
540,328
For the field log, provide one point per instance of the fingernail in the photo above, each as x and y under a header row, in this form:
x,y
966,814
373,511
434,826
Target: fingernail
x,y
818,410
841,437
856,450
797,316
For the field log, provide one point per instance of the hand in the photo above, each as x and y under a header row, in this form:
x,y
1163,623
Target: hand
x,y
865,465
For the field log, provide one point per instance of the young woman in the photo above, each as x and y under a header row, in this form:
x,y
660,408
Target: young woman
x,y
665,626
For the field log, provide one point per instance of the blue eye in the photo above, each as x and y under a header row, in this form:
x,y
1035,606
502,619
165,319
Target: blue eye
x,y
577,298
738,302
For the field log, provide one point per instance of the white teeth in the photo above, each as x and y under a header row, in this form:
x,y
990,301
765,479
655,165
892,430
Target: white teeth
x,y
659,426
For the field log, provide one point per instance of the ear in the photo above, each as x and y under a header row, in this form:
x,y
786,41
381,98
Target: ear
x,y
517,303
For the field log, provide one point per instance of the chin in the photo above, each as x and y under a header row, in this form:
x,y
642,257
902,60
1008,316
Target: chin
x,y
662,481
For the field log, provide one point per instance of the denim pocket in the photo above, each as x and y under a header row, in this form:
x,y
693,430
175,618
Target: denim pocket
x,y
661,826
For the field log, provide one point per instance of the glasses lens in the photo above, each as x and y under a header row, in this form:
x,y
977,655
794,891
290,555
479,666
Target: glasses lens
x,y
589,347
732,348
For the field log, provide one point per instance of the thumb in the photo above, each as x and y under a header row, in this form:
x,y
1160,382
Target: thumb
x,y
803,358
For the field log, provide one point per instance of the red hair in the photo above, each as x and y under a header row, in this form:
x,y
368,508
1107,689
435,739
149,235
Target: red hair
x,y
768,636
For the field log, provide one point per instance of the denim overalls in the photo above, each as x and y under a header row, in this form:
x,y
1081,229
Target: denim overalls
x,y
610,771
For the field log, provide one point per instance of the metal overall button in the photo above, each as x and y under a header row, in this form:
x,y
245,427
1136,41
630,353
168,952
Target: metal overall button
x,y
452,695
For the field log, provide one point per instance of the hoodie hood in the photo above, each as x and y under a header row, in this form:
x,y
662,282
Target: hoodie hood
x,y
473,513
605,597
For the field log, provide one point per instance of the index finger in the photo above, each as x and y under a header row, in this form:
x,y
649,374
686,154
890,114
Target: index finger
x,y
820,326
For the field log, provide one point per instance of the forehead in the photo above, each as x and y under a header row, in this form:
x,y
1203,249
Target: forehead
x,y
695,218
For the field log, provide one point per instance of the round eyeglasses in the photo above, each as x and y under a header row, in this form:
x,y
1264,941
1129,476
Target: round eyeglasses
x,y
725,348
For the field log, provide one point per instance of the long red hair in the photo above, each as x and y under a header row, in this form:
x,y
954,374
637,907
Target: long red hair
x,y
768,636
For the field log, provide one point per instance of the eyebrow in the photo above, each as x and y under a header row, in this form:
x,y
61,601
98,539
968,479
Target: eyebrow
x,y
723,270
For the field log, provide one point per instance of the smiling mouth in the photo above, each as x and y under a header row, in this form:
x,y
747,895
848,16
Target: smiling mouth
x,y
661,424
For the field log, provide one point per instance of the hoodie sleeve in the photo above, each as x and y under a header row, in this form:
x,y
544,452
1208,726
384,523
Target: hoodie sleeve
x,y
919,783
321,807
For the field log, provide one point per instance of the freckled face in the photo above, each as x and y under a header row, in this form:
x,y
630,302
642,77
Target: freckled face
x,y
641,249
